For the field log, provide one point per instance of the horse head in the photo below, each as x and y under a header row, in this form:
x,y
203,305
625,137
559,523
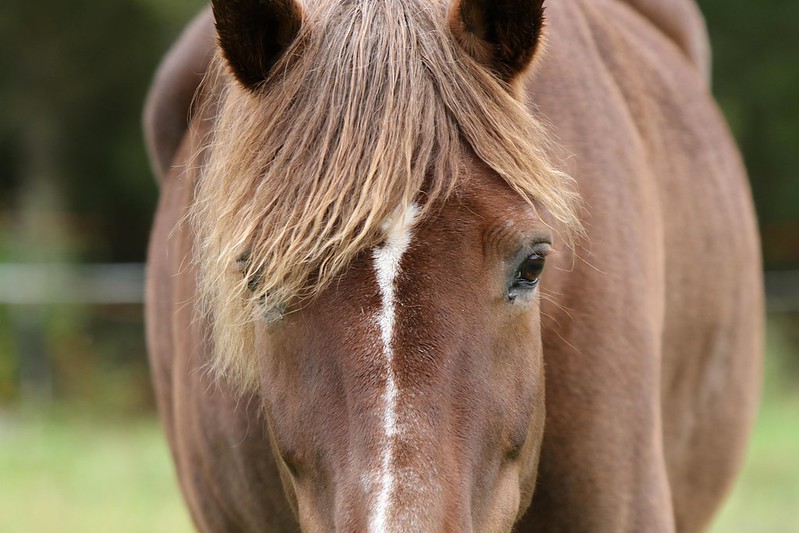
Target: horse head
x,y
373,222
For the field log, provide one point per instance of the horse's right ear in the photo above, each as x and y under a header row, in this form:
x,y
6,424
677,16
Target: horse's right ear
x,y
253,34
503,35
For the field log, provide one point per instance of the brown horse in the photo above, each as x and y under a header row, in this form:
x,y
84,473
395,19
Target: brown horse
x,y
350,323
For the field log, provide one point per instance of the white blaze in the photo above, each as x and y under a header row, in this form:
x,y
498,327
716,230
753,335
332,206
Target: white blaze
x,y
387,265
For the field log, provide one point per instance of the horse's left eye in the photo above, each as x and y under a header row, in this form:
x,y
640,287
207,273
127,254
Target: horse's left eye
x,y
529,271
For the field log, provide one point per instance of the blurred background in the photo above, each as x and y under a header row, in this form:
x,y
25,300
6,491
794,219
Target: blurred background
x,y
81,448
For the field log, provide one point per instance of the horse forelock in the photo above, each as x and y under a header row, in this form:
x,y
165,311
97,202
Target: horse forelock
x,y
368,110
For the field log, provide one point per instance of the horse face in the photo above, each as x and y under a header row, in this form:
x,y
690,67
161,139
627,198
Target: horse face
x,y
409,395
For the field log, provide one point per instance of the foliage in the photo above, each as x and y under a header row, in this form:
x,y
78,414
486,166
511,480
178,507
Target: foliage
x,y
756,79
72,93
75,185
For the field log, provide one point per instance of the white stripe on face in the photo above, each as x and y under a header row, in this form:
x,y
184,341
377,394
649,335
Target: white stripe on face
x,y
387,266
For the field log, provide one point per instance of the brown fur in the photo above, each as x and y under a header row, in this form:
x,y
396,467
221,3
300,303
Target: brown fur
x,y
623,393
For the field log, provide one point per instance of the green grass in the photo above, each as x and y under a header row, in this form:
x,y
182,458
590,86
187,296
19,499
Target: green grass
x,y
766,498
64,474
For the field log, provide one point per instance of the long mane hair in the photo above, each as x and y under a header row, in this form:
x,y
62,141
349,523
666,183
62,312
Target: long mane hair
x,y
372,107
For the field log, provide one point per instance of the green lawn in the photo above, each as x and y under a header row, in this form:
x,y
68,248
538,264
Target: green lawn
x,y
766,497
67,474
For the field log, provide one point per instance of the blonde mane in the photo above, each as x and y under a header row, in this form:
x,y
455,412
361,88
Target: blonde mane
x,y
369,110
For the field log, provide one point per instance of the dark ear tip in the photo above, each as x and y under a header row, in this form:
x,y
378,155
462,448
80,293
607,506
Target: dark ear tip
x,y
503,35
253,34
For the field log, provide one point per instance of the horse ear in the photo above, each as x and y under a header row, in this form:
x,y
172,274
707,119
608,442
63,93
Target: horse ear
x,y
501,34
254,33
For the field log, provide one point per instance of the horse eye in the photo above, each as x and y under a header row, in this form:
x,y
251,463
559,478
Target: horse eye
x,y
529,271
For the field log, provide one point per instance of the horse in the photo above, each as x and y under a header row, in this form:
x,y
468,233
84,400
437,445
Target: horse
x,y
428,265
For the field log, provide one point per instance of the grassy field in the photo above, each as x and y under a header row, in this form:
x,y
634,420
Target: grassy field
x,y
66,473
766,497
